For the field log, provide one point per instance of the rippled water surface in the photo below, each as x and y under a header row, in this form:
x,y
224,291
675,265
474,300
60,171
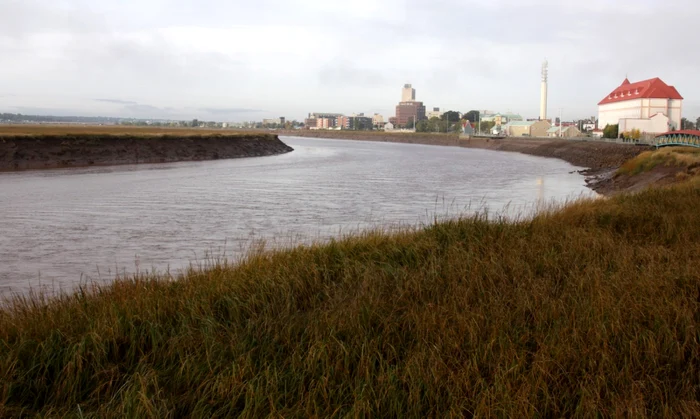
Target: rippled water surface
x,y
59,226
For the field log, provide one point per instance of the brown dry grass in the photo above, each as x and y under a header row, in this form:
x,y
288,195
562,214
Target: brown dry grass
x,y
680,157
10,130
588,311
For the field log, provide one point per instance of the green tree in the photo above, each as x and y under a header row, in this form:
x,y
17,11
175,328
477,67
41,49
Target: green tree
x,y
423,126
697,123
195,123
484,126
610,131
686,124
450,116
472,116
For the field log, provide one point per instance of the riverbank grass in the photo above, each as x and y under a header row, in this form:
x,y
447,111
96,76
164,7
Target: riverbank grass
x,y
682,158
590,310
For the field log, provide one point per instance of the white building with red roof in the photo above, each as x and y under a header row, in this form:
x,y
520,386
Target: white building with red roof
x,y
651,106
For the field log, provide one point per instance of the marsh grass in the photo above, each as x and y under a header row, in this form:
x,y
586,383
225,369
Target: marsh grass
x,y
681,157
588,310
84,130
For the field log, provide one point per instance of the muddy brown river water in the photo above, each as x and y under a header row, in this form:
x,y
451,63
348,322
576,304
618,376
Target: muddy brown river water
x,y
59,228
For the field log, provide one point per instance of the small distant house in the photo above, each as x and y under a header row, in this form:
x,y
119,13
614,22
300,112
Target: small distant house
x,y
388,126
499,130
566,132
468,128
527,128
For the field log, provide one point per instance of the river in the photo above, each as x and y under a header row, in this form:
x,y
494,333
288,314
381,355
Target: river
x,y
63,227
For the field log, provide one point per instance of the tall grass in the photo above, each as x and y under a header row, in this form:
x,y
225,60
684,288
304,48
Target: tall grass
x,y
680,157
590,310
11,130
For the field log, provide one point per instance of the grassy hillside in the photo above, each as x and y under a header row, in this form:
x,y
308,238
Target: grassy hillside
x,y
592,310
677,158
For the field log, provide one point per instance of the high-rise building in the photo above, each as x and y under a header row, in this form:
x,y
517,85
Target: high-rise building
x,y
408,94
409,110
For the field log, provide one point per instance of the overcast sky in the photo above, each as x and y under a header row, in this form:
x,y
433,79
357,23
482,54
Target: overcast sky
x,y
232,60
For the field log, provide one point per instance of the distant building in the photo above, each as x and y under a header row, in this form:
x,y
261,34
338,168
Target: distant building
x,y
435,113
501,118
388,126
273,121
318,120
325,123
408,94
310,123
499,130
569,131
657,124
378,121
588,126
357,122
467,128
638,103
527,128
408,109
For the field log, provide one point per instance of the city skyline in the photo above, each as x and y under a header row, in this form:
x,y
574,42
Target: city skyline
x,y
146,60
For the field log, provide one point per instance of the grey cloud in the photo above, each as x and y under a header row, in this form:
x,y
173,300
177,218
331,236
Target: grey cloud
x,y
38,110
144,109
25,17
474,53
117,101
219,111
346,73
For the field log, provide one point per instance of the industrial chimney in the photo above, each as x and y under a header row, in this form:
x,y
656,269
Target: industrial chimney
x,y
543,91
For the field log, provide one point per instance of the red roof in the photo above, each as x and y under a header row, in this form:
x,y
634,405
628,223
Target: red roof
x,y
685,132
652,88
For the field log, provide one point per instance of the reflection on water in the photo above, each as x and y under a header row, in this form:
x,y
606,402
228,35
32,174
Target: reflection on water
x,y
60,224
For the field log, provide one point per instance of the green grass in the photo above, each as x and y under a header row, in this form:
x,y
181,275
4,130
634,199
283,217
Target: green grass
x,y
590,310
681,157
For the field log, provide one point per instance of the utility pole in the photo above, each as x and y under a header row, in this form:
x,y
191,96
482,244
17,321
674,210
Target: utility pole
x,y
561,121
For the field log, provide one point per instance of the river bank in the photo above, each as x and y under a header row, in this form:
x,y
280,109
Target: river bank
x,y
600,159
51,151
466,317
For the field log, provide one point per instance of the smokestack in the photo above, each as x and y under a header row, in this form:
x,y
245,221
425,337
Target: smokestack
x,y
543,90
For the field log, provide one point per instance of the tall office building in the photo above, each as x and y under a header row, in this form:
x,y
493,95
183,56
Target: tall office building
x,y
409,110
408,94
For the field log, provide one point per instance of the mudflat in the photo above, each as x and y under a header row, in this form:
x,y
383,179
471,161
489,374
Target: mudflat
x,y
28,148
